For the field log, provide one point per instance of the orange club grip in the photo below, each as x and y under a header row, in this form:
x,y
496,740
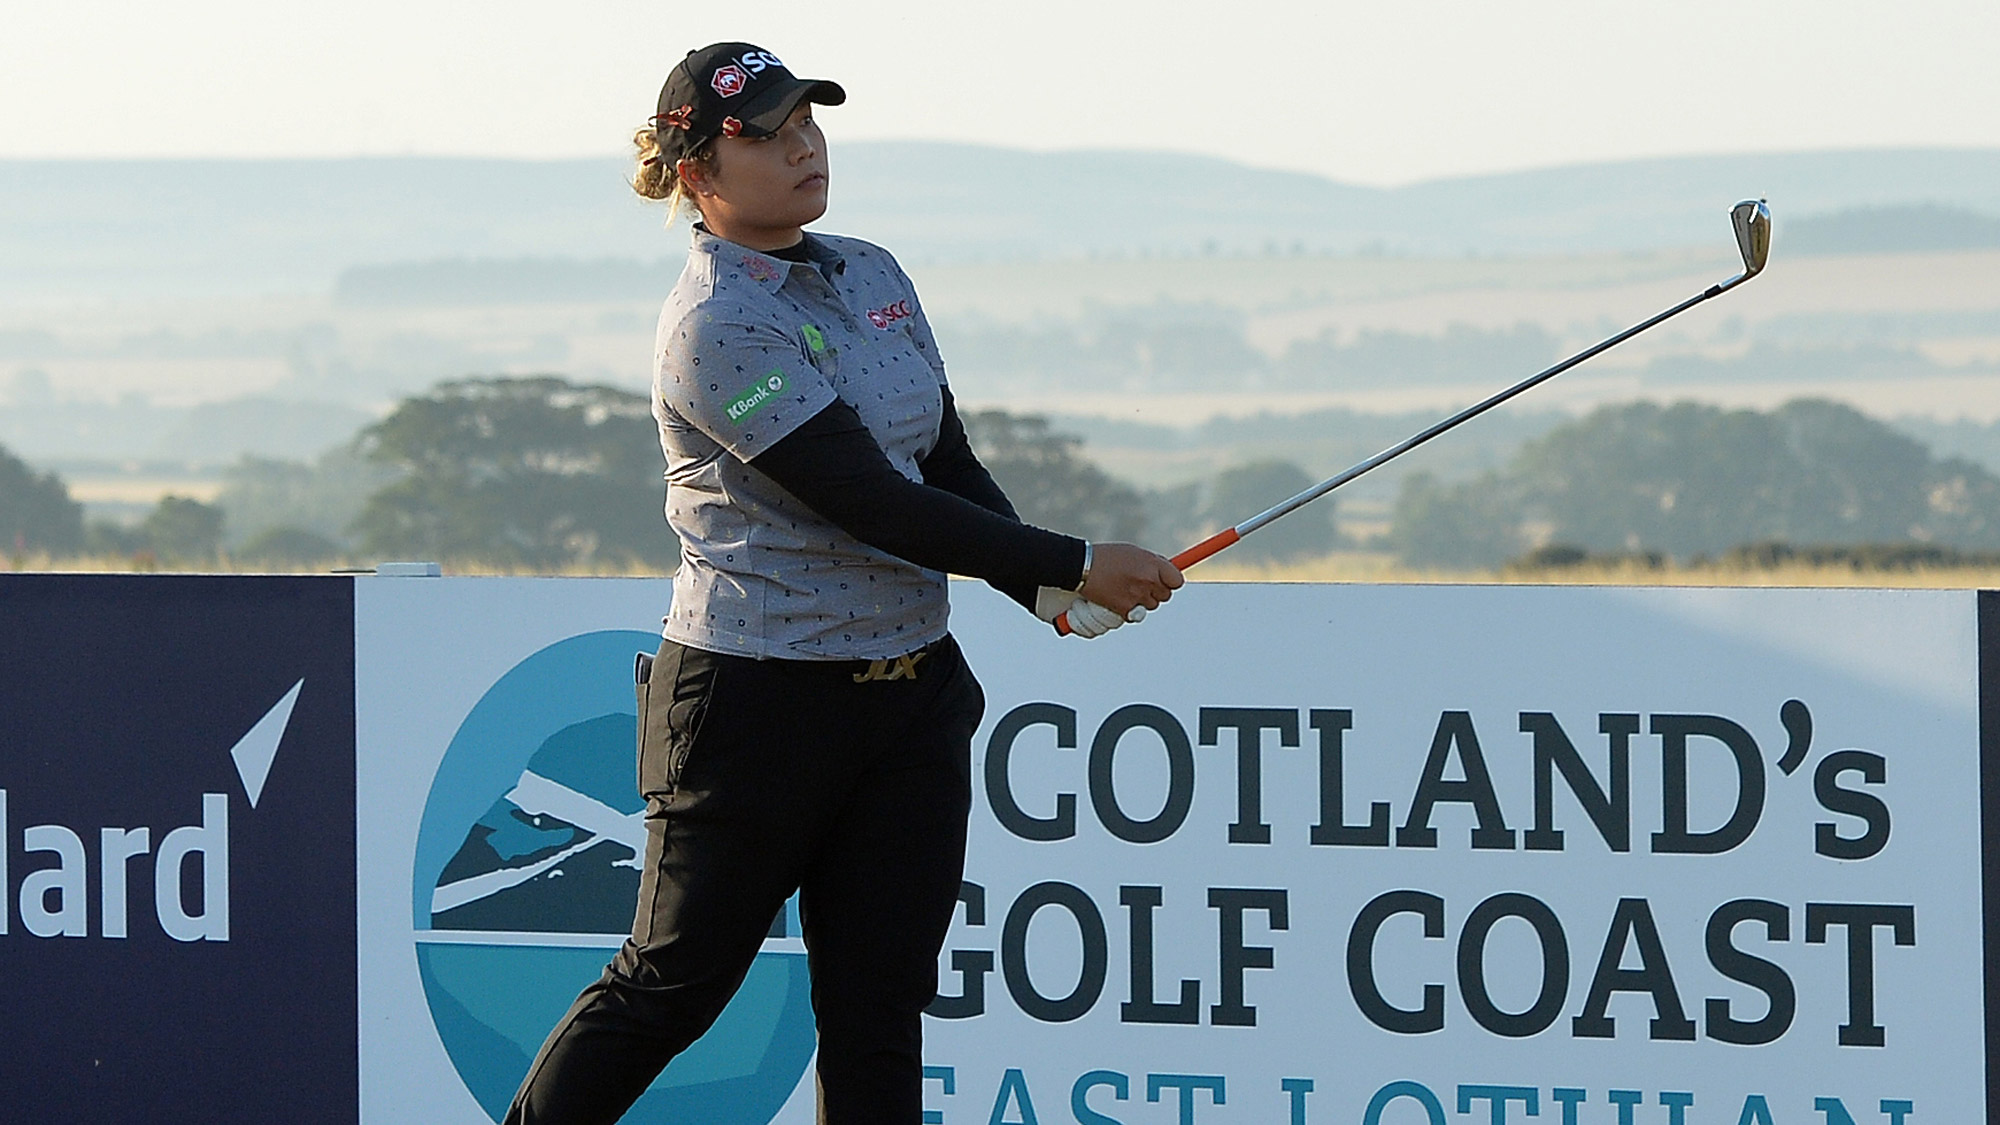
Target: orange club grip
x,y
1182,561
1205,548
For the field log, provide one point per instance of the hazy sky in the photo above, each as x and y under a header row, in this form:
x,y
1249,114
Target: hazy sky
x,y
1375,92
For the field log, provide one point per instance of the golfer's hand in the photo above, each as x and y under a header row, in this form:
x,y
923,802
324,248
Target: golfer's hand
x,y
1123,576
1072,615
1051,603
1088,619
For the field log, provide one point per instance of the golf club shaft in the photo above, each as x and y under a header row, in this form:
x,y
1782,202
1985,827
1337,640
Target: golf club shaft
x,y
1227,537
1217,542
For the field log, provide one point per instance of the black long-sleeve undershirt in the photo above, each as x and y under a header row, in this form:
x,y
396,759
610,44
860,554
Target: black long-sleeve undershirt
x,y
954,467
956,520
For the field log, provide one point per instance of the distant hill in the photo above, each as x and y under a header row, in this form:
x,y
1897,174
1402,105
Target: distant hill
x,y
479,281
206,433
138,228
964,201
1891,230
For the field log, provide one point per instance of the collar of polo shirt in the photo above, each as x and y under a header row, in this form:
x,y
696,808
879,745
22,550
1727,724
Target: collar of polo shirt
x,y
756,266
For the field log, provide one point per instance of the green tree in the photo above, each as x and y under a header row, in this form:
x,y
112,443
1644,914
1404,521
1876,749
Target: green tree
x,y
36,512
324,497
104,537
183,530
1468,525
288,547
1242,491
532,472
1684,478
1049,481
1692,479
1961,505
1175,517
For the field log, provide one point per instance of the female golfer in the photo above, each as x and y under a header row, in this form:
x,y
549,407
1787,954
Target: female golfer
x,y
807,724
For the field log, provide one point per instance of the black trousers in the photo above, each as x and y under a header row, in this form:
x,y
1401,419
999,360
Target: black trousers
x,y
847,782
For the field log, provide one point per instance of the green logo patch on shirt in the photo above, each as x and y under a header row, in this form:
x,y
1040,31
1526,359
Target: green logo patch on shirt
x,y
755,399
814,340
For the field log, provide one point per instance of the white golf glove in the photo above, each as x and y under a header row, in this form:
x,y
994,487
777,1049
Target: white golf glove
x,y
1087,619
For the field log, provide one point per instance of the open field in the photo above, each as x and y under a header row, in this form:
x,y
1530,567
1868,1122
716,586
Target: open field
x,y
1577,300
1359,566
177,352
1345,566
131,400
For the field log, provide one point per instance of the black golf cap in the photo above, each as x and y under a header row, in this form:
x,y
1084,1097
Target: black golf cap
x,y
727,89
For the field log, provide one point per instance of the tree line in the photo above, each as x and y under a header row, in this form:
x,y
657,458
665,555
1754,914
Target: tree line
x,y
539,473
1692,481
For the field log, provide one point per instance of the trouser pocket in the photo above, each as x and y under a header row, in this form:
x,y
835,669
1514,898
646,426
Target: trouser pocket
x,y
673,695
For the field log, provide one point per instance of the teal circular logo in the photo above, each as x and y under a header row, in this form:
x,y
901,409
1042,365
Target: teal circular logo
x,y
526,876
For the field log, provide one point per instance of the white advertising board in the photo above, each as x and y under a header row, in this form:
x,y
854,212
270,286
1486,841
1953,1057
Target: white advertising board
x,y
1281,853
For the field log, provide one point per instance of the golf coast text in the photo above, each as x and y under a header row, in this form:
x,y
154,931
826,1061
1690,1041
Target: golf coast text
x,y
1746,944
1454,747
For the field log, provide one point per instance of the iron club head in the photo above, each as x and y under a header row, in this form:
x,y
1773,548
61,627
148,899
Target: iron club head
x,y
1752,220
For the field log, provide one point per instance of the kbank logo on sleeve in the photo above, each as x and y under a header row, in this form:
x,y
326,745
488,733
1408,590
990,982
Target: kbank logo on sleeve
x,y
526,877
757,397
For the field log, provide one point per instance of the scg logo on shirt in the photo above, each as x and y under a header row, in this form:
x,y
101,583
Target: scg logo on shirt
x,y
889,314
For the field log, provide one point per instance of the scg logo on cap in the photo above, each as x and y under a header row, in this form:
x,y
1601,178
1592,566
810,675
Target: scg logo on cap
x,y
729,80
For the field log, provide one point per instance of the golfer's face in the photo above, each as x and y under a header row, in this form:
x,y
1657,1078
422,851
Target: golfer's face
x,y
777,181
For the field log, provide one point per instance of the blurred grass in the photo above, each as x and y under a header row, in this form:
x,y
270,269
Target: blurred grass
x,y
1365,566
1341,566
143,564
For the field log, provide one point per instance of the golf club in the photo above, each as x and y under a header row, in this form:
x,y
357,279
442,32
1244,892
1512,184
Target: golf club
x,y
1752,221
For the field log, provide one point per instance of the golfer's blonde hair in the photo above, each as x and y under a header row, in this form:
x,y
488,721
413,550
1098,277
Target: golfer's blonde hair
x,y
656,177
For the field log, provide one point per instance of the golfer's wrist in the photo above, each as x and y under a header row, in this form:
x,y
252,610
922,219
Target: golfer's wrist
x,y
1083,577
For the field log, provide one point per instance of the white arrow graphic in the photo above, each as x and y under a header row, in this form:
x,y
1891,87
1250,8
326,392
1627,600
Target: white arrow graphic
x,y
258,747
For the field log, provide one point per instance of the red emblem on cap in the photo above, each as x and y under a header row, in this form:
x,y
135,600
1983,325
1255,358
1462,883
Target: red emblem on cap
x,y
730,80
731,126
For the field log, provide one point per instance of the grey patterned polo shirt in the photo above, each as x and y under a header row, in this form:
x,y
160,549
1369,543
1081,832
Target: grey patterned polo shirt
x,y
749,347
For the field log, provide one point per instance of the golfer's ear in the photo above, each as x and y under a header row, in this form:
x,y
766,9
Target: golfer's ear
x,y
694,174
